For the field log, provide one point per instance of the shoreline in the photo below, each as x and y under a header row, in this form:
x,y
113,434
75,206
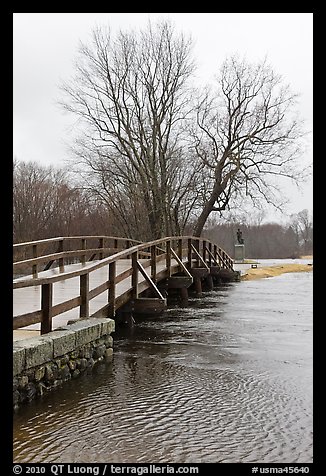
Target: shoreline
x,y
272,271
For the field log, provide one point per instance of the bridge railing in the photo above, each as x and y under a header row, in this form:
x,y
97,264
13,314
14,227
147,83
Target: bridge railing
x,y
178,254
35,256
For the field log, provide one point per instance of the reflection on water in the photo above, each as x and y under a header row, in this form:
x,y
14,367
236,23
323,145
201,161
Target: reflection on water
x,y
228,379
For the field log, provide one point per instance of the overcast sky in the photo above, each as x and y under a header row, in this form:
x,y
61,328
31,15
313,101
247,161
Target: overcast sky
x,y
45,46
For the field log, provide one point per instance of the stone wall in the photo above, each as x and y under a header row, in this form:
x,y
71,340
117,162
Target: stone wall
x,y
43,363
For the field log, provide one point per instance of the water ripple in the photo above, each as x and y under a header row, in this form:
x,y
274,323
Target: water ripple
x,y
184,389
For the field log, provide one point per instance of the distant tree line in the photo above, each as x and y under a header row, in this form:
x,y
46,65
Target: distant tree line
x,y
267,240
46,203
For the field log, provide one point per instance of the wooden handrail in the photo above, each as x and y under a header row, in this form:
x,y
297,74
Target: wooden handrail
x,y
25,281
33,253
66,238
60,255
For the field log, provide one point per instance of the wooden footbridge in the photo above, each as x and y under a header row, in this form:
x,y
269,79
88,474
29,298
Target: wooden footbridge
x,y
60,279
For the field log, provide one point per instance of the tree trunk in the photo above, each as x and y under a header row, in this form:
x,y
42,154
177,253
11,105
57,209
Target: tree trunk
x,y
208,208
201,221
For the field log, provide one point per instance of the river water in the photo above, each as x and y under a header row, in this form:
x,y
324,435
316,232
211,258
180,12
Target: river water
x,y
228,379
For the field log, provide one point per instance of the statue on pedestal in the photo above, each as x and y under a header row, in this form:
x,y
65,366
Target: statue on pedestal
x,y
239,237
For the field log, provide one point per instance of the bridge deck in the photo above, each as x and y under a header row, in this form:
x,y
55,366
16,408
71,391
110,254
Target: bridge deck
x,y
28,299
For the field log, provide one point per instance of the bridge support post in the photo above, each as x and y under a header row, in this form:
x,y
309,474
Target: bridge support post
x,y
129,320
217,281
124,317
209,282
184,297
198,286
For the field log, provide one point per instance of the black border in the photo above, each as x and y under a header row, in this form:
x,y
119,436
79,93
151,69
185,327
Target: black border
x,y
6,275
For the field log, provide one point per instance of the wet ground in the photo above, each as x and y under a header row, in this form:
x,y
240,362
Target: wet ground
x,y
228,379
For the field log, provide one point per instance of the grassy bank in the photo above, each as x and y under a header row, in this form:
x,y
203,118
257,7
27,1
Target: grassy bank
x,y
271,271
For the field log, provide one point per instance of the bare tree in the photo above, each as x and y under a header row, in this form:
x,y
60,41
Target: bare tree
x,y
46,205
131,94
36,201
246,136
301,223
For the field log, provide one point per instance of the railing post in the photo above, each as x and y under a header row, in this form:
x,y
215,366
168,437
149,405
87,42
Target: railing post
x,y
83,257
223,256
101,245
115,243
168,257
61,260
189,253
204,250
220,257
216,256
134,276
153,263
209,254
35,266
196,245
46,306
127,246
180,252
84,295
180,248
112,274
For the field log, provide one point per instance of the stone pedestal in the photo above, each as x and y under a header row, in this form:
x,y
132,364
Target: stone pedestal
x,y
239,253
